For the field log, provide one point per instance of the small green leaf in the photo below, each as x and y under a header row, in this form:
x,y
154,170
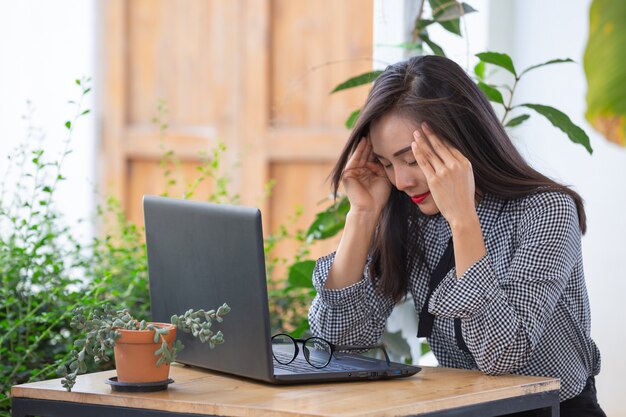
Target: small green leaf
x,y
492,93
352,118
362,79
300,274
553,61
68,124
455,10
437,50
85,112
499,59
330,221
423,23
452,26
479,70
563,122
516,121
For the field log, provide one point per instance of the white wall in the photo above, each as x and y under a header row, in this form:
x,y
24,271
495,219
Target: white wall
x,y
44,47
542,30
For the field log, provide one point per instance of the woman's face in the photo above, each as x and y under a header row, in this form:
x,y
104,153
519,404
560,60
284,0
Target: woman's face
x,y
391,137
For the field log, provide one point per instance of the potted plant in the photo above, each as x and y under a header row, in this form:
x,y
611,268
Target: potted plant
x,y
143,350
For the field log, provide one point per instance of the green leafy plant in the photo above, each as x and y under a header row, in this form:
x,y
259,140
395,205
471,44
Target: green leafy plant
x,y
605,70
102,326
40,260
494,93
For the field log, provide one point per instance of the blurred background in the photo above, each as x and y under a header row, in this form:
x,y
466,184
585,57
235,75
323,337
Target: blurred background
x,y
179,78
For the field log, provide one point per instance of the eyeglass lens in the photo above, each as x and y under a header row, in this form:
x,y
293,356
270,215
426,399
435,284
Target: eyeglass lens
x,y
317,352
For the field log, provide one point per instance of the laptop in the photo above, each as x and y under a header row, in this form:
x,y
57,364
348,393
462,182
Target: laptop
x,y
201,255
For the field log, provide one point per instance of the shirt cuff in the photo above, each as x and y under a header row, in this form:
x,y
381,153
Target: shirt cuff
x,y
465,296
336,297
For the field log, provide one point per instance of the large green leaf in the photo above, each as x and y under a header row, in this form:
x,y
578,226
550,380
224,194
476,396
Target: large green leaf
x,y
563,122
492,93
330,221
362,79
300,274
499,59
605,69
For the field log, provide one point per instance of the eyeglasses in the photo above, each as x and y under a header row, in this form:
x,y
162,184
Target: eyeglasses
x,y
317,351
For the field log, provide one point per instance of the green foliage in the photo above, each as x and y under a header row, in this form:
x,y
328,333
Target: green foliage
x,y
563,122
499,59
40,262
605,70
362,79
101,327
558,119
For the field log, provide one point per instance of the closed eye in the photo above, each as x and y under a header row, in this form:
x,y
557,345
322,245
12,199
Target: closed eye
x,y
385,164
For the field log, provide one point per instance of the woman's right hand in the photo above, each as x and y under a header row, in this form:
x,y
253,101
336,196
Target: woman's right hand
x,y
365,181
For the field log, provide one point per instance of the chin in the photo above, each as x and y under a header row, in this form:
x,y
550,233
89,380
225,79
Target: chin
x,y
428,209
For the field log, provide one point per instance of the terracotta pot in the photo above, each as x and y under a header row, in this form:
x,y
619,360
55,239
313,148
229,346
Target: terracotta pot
x,y
135,360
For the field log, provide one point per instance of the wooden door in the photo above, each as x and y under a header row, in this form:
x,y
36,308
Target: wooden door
x,y
254,74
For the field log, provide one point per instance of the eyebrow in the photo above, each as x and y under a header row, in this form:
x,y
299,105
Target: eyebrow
x,y
397,153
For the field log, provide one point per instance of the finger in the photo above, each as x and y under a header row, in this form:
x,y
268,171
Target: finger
x,y
376,168
367,152
457,154
427,151
440,148
422,161
355,158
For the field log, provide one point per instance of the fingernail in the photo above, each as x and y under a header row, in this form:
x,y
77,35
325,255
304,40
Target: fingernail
x,y
416,134
425,126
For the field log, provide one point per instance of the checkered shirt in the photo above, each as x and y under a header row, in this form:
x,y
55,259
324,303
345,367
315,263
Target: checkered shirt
x,y
524,307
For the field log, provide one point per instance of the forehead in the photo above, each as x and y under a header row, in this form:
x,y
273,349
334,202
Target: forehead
x,y
391,133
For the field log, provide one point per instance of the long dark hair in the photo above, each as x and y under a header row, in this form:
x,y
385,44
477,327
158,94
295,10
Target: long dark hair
x,y
436,90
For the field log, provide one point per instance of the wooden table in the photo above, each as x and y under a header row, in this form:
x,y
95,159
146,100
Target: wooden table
x,y
432,392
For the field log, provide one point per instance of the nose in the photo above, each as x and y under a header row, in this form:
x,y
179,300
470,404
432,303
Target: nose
x,y
405,180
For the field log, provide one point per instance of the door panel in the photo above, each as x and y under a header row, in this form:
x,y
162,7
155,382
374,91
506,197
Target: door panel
x,y
253,74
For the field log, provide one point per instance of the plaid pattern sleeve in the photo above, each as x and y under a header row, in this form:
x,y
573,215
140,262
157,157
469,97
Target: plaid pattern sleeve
x,y
355,315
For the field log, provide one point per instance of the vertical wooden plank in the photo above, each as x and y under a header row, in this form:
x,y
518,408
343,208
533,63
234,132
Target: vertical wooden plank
x,y
112,158
255,103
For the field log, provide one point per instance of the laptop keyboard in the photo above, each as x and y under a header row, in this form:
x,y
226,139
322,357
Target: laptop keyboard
x,y
302,366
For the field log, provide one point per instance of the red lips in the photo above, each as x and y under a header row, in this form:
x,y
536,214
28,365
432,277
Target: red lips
x,y
419,198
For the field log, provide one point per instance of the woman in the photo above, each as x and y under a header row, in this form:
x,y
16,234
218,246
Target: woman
x,y
437,188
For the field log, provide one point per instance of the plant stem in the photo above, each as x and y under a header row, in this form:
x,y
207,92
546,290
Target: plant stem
x,y
507,107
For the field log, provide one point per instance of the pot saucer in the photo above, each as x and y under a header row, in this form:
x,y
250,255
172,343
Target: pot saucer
x,y
137,386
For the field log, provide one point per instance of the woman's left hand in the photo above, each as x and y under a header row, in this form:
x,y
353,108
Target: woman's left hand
x,y
448,173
